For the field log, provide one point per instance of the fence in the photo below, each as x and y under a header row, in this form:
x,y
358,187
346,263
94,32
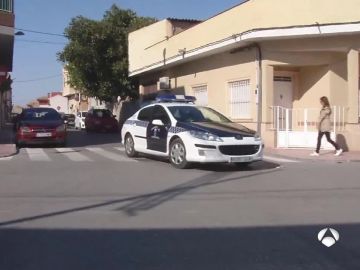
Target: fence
x,y
298,127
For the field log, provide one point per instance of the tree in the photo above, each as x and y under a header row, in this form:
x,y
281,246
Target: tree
x,y
96,56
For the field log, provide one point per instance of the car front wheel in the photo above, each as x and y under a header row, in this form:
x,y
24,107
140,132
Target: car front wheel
x,y
177,154
130,146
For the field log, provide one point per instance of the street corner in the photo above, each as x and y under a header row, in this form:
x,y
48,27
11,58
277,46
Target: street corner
x,y
7,150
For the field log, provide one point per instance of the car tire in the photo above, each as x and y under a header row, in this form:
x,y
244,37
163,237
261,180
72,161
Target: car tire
x,y
177,155
130,146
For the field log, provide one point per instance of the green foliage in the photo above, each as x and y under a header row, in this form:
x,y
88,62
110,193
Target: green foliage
x,y
96,56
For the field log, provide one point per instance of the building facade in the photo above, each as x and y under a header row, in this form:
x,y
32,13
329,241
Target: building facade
x,y
264,64
76,101
7,20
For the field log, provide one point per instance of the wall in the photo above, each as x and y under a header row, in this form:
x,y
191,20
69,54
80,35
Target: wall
x,y
59,101
275,13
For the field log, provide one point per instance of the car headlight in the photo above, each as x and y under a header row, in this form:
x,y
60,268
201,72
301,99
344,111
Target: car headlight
x,y
257,137
60,128
206,136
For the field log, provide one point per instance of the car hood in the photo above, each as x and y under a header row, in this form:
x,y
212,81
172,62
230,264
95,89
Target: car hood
x,y
41,124
219,129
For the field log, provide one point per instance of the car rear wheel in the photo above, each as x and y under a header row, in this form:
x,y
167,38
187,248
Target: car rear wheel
x,y
130,146
177,154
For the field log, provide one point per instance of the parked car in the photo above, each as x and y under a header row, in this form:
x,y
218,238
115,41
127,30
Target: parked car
x,y
70,120
101,120
80,120
40,126
186,133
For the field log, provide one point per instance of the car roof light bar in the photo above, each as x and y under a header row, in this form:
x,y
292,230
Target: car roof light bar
x,y
175,98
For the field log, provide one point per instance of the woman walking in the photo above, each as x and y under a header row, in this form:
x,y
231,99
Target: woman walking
x,y
325,127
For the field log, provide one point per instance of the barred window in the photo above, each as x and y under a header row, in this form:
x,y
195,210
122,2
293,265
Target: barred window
x,y
201,95
240,99
6,5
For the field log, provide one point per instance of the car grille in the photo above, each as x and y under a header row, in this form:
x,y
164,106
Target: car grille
x,y
239,150
42,130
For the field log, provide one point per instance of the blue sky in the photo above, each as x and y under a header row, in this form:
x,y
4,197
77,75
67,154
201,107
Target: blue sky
x,y
34,61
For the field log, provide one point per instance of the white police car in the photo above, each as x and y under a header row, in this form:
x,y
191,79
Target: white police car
x,y
186,133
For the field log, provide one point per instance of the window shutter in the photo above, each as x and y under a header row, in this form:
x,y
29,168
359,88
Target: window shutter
x,y
201,94
240,99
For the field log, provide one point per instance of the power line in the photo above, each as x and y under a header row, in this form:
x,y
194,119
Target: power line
x,y
40,32
38,79
40,41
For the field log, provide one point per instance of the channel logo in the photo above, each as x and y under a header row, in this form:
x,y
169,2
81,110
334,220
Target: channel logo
x,y
328,237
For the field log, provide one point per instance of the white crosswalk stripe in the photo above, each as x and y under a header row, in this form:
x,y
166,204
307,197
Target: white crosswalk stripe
x,y
121,149
109,155
73,155
6,158
281,160
37,154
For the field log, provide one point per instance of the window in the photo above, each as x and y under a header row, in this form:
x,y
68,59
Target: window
x,y
201,94
160,114
145,114
240,99
189,114
6,5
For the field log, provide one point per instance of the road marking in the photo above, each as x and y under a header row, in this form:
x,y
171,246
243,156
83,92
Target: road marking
x,y
73,154
6,158
109,155
121,149
37,154
283,160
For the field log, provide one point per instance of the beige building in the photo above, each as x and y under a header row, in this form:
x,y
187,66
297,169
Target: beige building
x,y
262,63
76,101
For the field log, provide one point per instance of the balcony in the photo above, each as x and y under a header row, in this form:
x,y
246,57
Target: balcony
x,y
7,6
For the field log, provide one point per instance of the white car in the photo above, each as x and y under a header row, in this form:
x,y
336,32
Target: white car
x,y
80,120
186,133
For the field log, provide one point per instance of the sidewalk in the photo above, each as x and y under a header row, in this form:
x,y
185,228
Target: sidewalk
x,y
304,154
7,146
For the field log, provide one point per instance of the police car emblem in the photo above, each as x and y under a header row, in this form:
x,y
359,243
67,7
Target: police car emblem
x,y
156,131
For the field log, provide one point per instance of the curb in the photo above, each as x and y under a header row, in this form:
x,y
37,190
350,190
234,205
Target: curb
x,y
7,150
335,159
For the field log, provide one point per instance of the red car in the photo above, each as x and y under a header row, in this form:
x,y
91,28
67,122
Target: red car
x,y
40,126
101,120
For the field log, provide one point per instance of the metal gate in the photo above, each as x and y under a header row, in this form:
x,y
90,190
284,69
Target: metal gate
x,y
298,128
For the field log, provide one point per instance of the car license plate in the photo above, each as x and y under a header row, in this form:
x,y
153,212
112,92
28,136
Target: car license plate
x,y
43,135
240,159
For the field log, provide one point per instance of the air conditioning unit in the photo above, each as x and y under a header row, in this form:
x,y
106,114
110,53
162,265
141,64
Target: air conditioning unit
x,y
164,83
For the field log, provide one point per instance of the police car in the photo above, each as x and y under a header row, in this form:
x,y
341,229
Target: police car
x,y
174,127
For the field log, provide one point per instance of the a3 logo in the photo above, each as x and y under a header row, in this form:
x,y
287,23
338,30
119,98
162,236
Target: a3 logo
x,y
328,237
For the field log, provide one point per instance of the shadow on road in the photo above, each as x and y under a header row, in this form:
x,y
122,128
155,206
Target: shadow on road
x,y
145,202
280,248
84,139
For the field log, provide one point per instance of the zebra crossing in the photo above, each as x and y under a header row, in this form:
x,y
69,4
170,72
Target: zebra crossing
x,y
87,154
91,154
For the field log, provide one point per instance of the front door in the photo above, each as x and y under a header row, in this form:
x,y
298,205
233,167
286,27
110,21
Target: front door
x,y
157,134
283,100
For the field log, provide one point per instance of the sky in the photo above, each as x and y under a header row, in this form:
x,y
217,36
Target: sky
x,y
36,70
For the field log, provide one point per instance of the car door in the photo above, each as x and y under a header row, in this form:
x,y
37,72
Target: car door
x,y
139,128
77,120
157,134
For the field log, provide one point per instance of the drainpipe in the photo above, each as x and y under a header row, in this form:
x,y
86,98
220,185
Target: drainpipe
x,y
259,86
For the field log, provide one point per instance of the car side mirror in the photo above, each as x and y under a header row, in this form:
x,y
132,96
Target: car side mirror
x,y
157,122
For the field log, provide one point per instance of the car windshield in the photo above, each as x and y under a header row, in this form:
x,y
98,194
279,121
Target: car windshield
x,y
197,114
102,113
41,115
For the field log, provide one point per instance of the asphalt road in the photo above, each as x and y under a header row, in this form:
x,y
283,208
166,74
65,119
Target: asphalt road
x,y
89,207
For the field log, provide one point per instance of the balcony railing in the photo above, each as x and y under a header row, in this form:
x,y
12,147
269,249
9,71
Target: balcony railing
x,y
7,5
